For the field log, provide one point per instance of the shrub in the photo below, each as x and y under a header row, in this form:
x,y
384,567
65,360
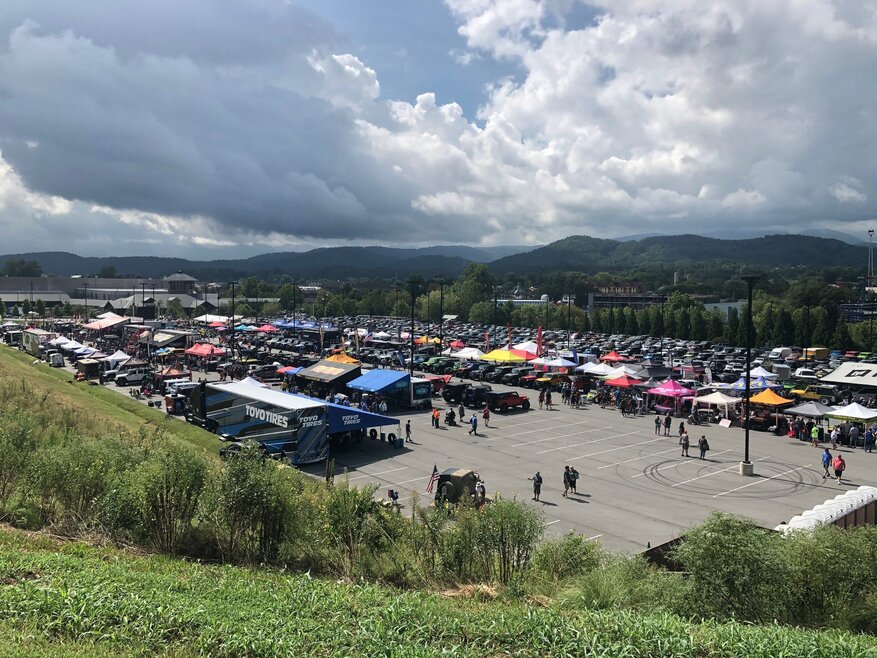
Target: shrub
x,y
556,561
167,489
736,570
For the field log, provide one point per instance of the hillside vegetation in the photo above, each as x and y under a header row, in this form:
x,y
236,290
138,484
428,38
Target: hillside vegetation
x,y
67,599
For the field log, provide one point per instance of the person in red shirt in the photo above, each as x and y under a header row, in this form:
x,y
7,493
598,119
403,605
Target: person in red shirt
x,y
839,466
486,416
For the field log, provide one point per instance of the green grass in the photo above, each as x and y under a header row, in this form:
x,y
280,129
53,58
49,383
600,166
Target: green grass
x,y
68,599
108,408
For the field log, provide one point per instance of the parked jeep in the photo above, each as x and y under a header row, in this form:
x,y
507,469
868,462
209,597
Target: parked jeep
x,y
497,401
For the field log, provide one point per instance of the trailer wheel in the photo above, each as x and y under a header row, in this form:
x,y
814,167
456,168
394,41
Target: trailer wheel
x,y
373,434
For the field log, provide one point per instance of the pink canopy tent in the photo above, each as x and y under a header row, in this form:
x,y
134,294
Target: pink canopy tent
x,y
267,328
216,324
613,356
670,389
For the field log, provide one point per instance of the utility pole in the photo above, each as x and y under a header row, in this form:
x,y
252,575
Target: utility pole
x,y
413,283
154,304
442,311
568,318
85,286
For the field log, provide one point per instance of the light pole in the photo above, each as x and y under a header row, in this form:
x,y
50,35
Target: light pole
x,y
85,285
568,318
232,321
746,467
441,283
870,285
413,283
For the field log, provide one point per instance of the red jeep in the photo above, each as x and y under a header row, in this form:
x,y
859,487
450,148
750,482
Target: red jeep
x,y
497,401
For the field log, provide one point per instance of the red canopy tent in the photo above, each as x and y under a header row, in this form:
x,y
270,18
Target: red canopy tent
x,y
457,344
524,354
205,349
625,381
266,328
613,356
216,324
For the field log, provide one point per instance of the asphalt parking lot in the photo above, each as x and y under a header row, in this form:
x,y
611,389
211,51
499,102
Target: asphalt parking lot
x,y
635,489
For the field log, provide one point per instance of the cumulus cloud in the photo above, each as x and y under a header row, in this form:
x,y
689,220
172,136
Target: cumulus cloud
x,y
247,123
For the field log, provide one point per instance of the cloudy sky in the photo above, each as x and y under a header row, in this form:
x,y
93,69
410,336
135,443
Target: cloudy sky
x,y
219,129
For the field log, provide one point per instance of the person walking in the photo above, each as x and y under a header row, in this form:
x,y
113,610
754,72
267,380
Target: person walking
x,y
685,443
408,432
826,463
565,481
473,423
667,422
548,399
834,437
541,398
486,416
869,440
839,466
573,479
657,425
814,436
461,413
703,445
537,485
681,428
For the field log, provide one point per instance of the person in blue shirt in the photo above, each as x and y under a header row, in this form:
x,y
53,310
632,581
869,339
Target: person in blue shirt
x,y
826,463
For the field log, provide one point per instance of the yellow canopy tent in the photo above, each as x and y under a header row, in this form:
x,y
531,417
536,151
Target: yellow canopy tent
x,y
502,355
422,340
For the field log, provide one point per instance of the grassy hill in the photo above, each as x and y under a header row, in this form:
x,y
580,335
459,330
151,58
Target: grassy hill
x,y
68,599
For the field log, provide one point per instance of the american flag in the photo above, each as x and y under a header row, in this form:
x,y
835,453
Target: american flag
x,y
432,479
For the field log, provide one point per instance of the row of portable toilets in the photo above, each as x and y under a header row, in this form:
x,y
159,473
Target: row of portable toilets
x,y
852,508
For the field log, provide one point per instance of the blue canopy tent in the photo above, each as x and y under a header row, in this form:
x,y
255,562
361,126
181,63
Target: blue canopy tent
x,y
378,381
755,384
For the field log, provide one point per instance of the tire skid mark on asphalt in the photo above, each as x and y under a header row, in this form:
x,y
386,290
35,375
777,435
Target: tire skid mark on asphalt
x,y
602,452
627,461
760,481
711,473
677,464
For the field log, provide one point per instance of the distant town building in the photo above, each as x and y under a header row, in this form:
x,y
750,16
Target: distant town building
x,y
621,288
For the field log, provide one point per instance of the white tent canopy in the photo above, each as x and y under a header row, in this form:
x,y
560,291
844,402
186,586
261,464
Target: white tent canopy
x,y
559,363
717,398
468,353
118,358
71,345
596,369
60,340
249,381
381,335
621,371
207,318
854,411
528,346
761,372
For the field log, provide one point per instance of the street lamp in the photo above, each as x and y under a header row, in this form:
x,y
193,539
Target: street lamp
x,y
569,299
746,467
413,281
441,283
232,320
85,285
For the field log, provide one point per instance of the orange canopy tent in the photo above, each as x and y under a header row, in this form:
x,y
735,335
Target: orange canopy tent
x,y
613,356
342,358
770,399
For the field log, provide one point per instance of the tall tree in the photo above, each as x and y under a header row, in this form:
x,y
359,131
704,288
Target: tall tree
x,y
21,267
841,340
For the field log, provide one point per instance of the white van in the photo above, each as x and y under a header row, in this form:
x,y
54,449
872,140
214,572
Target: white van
x,y
778,353
134,375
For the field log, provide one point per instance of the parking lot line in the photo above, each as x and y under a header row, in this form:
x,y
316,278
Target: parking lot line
x,y
561,436
371,475
602,452
547,429
551,523
675,464
626,461
425,477
710,474
759,481
595,537
584,443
